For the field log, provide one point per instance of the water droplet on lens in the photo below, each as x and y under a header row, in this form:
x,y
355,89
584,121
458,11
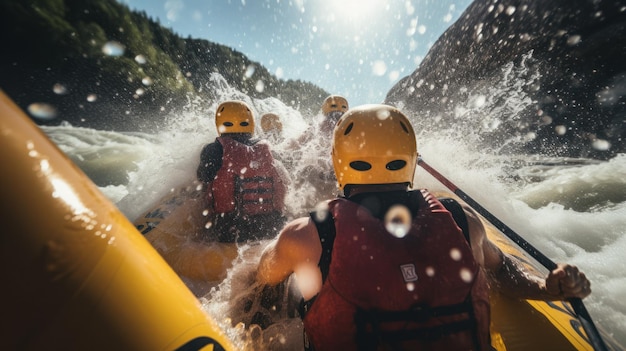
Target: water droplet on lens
x,y
42,110
113,48
321,211
466,275
456,254
398,221
59,89
430,271
140,59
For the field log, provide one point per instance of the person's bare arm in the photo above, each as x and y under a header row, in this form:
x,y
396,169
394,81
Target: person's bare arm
x,y
297,249
511,278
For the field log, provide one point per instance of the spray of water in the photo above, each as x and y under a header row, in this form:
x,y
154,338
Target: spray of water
x,y
572,210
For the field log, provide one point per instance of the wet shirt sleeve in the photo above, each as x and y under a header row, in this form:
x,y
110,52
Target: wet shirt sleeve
x,y
210,162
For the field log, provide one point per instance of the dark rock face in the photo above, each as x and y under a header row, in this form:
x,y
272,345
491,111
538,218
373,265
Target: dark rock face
x,y
538,76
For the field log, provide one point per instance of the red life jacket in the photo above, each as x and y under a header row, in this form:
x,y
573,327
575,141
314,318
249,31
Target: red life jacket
x,y
248,181
423,291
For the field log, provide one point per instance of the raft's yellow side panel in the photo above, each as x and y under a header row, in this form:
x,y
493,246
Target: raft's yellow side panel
x,y
553,323
173,227
522,325
76,274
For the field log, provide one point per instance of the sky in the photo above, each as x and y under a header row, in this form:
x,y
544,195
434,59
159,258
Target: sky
x,y
355,48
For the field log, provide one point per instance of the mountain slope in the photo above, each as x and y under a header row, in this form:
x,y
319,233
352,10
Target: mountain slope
x,y
96,63
544,76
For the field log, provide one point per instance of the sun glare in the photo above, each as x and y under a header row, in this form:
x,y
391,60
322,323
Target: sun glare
x,y
353,12
359,8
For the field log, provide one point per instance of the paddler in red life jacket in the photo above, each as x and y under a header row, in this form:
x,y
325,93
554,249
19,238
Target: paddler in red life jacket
x,y
312,166
333,107
245,185
388,268
272,128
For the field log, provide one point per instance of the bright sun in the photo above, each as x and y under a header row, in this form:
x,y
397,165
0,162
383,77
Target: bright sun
x,y
352,11
359,8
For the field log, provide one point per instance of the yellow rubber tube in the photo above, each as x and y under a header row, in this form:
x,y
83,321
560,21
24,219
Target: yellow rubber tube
x,y
76,274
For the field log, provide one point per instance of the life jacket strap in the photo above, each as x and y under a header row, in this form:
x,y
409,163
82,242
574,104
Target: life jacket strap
x,y
369,333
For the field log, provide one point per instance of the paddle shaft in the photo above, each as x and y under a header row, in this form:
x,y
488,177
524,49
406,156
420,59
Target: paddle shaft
x,y
577,304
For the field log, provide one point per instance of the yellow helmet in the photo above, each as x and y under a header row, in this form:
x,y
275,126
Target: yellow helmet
x,y
334,103
374,144
271,122
234,117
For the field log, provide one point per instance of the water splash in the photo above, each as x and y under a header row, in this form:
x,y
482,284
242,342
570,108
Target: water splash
x,y
565,207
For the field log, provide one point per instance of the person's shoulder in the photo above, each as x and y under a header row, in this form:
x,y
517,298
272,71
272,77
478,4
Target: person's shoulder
x,y
470,212
298,227
299,233
212,150
212,146
298,224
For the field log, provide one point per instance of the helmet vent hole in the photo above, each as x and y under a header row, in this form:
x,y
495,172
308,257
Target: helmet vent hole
x,y
222,110
244,124
360,165
395,165
348,129
406,130
228,124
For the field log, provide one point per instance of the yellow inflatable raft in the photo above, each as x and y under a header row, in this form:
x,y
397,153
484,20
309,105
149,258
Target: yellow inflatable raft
x,y
174,225
76,274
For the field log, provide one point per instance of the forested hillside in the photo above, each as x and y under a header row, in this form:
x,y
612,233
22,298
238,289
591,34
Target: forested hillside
x,y
98,64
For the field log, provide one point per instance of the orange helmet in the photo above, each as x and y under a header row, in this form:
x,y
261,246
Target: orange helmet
x,y
334,103
374,144
234,117
271,122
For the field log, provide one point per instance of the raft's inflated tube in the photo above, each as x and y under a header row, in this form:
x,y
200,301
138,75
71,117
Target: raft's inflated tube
x,y
76,274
